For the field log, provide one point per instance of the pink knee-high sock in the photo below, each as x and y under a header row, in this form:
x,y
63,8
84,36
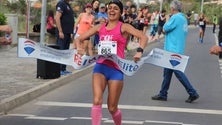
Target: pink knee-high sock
x,y
117,117
96,114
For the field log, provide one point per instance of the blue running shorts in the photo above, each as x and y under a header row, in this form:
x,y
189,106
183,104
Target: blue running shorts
x,y
109,72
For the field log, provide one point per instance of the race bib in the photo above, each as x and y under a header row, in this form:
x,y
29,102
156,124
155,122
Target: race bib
x,y
107,47
201,23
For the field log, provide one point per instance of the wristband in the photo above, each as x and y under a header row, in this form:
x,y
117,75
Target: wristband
x,y
139,50
220,44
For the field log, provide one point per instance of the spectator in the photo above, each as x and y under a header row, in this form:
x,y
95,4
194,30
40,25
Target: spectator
x,y
134,16
146,17
84,22
195,17
125,14
140,19
102,13
95,9
65,23
189,15
161,22
217,50
7,39
102,17
50,27
215,22
154,24
176,32
129,4
143,18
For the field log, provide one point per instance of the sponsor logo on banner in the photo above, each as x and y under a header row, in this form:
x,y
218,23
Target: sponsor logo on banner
x,y
175,59
29,46
129,67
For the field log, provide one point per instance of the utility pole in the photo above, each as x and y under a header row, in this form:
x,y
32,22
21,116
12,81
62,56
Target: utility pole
x,y
43,20
27,17
137,4
202,3
161,5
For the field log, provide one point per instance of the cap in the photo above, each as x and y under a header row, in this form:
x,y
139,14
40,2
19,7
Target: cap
x,y
88,5
102,5
118,3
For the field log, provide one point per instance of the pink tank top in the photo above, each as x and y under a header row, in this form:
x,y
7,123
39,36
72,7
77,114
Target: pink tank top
x,y
113,35
49,26
85,23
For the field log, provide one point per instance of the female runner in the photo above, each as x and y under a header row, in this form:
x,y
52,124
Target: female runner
x,y
106,73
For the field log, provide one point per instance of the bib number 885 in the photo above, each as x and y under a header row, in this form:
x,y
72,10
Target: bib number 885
x,y
106,50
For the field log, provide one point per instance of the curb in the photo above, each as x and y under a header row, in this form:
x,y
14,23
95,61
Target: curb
x,y
12,102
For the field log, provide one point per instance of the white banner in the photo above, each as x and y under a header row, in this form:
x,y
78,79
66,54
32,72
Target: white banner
x,y
158,57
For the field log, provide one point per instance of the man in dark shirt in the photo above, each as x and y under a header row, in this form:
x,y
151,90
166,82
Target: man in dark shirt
x,y
189,14
65,23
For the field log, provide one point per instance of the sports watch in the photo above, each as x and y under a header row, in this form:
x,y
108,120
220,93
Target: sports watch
x,y
139,50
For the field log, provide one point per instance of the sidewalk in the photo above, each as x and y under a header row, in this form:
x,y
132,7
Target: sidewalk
x,y
18,82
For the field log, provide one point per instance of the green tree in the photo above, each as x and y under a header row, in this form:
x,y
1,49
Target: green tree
x,y
3,19
17,7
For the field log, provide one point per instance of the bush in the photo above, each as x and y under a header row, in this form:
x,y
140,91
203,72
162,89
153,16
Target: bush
x,y
3,19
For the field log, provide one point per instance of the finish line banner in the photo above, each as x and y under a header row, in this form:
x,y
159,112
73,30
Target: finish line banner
x,y
31,49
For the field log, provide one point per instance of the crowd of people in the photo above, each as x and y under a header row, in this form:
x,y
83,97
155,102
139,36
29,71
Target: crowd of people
x,y
139,18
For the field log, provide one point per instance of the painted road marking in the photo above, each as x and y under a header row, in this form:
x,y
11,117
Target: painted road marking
x,y
104,120
86,118
126,122
167,122
21,115
81,118
134,107
220,64
46,118
220,60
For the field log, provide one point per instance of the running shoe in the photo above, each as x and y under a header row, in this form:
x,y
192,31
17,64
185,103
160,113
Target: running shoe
x,y
67,72
158,97
201,41
192,98
62,73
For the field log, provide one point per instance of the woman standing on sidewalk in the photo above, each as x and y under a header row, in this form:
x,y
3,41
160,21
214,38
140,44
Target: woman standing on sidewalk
x,y
85,21
51,26
106,72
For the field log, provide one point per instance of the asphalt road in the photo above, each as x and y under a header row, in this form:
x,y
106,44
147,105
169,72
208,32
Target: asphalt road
x,y
71,103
